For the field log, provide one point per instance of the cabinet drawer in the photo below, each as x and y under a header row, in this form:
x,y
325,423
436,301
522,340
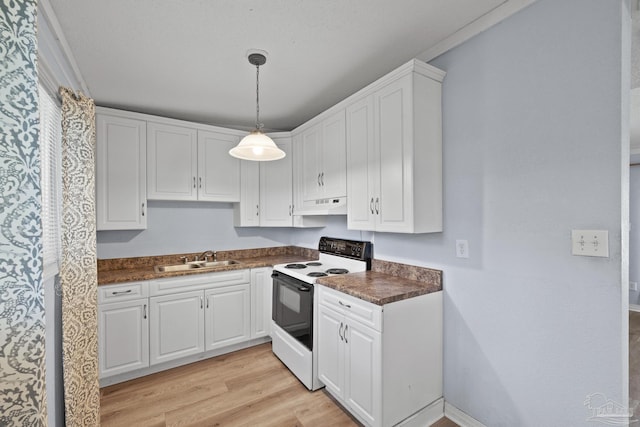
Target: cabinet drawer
x,y
364,312
122,292
199,282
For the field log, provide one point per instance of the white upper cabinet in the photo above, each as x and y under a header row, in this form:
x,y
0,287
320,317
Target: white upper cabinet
x,y
401,139
218,172
266,195
322,161
172,162
276,204
121,177
188,164
362,176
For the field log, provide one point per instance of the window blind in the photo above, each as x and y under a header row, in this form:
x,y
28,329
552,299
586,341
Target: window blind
x,y
51,179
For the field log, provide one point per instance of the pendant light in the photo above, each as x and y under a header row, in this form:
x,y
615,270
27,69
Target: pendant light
x,y
257,146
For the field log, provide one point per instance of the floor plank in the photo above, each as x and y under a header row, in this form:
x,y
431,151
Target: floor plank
x,y
250,387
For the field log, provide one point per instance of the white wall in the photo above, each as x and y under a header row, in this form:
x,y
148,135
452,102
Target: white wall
x,y
179,227
634,238
532,149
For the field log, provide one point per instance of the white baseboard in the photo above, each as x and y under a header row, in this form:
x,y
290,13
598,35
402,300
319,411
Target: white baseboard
x,y
426,416
459,417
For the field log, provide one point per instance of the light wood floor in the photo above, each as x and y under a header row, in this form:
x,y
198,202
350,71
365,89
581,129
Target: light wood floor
x,y
246,388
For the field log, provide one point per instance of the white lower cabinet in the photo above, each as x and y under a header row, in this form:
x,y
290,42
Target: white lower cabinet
x,y
177,326
261,305
142,325
123,337
374,360
227,316
123,328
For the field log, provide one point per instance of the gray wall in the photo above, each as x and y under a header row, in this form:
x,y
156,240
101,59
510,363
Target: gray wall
x,y
532,149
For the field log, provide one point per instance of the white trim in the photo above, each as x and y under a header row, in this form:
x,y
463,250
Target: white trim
x,y
634,307
459,417
426,416
44,7
474,28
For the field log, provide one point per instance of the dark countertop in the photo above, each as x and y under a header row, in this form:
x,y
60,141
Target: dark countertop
x,y
387,281
135,269
379,288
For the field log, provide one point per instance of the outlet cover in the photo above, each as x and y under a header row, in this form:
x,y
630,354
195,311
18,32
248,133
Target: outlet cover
x,y
462,249
590,243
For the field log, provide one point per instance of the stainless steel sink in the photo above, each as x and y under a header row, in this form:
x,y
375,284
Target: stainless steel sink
x,y
194,265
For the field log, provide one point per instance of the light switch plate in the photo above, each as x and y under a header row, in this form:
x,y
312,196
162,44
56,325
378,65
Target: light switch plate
x,y
590,243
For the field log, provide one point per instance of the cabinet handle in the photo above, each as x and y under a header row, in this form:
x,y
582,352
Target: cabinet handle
x,y
371,205
194,182
144,311
128,291
377,205
319,180
290,210
200,181
322,178
201,303
345,334
257,210
343,304
340,332
143,209
207,302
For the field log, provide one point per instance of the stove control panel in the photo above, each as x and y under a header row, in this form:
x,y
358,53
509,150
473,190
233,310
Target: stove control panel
x,y
347,248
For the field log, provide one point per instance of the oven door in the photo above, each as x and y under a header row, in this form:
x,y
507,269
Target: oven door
x,y
293,307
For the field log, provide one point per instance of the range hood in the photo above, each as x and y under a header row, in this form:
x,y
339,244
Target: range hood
x,y
329,206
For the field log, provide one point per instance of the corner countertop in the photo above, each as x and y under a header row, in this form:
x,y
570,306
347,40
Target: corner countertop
x,y
387,282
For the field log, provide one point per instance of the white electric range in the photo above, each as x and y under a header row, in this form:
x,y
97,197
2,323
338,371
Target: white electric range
x,y
294,335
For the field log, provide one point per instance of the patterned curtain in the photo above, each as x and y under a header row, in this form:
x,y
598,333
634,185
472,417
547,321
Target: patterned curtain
x,y
22,364
78,269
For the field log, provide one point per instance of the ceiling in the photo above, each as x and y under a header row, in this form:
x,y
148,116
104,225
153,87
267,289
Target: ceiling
x,y
187,59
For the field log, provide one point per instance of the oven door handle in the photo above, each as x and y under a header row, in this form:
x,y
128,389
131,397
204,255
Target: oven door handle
x,y
303,289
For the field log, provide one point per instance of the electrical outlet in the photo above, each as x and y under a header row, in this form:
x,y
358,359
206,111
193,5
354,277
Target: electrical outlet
x,y
590,243
462,249
633,286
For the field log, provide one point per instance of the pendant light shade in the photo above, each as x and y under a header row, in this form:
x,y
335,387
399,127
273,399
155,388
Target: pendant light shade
x,y
257,146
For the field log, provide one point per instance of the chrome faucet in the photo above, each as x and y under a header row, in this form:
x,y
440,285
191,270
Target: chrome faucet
x,y
206,254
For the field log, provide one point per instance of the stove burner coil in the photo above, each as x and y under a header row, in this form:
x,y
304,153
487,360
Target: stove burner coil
x,y
295,266
314,264
317,274
337,271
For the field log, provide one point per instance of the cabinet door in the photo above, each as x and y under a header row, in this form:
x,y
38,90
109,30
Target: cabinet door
x,y
394,142
363,371
247,212
123,337
172,162
362,174
177,326
121,173
312,163
261,290
227,316
276,206
218,172
331,350
333,177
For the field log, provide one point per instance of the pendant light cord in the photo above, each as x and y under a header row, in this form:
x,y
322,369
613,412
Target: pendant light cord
x,y
258,125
